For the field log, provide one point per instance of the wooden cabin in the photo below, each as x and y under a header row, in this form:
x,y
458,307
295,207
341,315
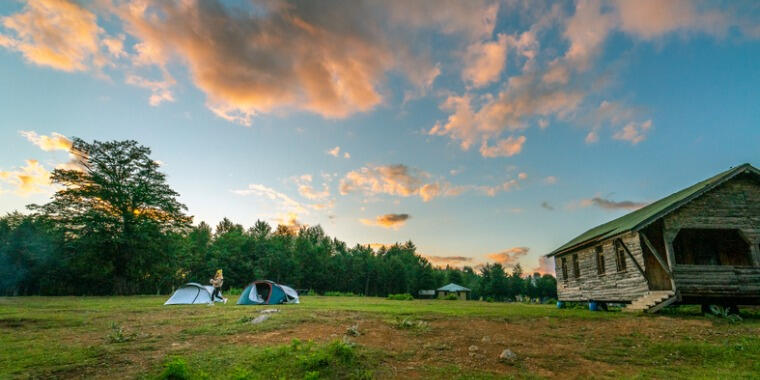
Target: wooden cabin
x,y
700,245
452,288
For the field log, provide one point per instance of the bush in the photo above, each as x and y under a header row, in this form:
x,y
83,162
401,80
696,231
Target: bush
x,y
340,294
234,291
408,323
400,297
311,292
490,299
451,297
175,369
119,335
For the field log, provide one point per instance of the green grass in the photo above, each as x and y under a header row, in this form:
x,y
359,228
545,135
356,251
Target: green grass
x,y
307,360
138,337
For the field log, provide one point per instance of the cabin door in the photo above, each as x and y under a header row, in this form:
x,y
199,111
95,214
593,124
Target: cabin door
x,y
656,276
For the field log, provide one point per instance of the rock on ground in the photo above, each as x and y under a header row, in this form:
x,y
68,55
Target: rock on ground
x,y
507,355
260,318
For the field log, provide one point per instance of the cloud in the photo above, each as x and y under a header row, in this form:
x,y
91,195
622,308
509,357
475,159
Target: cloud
x,y
377,246
309,192
550,180
504,148
30,179
335,152
394,221
115,45
485,61
509,256
290,222
586,30
547,206
306,189
331,61
399,180
55,33
634,132
608,204
449,260
160,90
503,187
511,110
621,119
648,19
55,141
545,266
283,201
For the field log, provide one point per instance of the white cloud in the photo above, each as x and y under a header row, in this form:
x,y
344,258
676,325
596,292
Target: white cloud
x,y
30,179
485,61
634,132
55,141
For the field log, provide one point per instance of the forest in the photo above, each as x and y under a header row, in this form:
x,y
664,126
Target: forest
x,y
116,227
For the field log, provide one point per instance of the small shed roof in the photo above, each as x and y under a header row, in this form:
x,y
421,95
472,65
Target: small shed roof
x,y
452,287
642,217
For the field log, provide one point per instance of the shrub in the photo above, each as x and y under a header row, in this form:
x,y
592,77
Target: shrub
x,y
119,335
451,297
175,369
340,294
490,299
311,292
353,330
400,297
724,313
407,323
234,291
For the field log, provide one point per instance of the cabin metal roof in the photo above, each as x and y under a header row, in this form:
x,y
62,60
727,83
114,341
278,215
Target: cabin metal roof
x,y
642,217
452,287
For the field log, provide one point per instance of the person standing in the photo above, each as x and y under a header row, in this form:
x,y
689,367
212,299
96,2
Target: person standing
x,y
217,282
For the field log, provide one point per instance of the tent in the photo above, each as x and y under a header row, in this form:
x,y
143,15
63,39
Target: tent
x,y
192,293
267,293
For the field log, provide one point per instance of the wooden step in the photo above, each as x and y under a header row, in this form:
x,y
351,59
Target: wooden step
x,y
654,300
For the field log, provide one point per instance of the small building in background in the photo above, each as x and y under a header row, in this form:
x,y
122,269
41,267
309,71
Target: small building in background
x,y
426,293
452,288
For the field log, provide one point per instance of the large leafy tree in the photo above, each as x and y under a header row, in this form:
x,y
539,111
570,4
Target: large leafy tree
x,y
118,207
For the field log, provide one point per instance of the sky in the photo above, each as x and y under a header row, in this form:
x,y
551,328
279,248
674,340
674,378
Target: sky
x,y
482,131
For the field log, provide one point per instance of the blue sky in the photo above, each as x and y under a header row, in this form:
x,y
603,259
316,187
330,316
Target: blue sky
x,y
482,131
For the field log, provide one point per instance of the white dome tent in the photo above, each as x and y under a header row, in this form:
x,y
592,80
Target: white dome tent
x,y
191,294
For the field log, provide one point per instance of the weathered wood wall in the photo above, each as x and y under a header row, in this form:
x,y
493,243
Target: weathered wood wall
x,y
732,205
625,285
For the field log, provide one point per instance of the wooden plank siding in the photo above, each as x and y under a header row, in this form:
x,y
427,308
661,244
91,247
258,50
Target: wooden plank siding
x,y
733,205
612,285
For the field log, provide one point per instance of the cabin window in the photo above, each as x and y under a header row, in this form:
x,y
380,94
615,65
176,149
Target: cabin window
x,y
599,260
564,268
703,246
620,256
576,267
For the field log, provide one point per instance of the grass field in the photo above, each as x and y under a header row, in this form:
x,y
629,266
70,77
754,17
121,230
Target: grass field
x,y
355,337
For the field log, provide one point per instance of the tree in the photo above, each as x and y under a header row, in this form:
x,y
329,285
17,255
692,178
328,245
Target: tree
x,y
115,205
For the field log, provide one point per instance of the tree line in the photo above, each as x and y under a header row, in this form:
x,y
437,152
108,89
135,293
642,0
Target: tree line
x,y
116,227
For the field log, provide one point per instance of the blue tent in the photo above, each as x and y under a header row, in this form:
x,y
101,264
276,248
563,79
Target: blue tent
x,y
267,293
192,293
